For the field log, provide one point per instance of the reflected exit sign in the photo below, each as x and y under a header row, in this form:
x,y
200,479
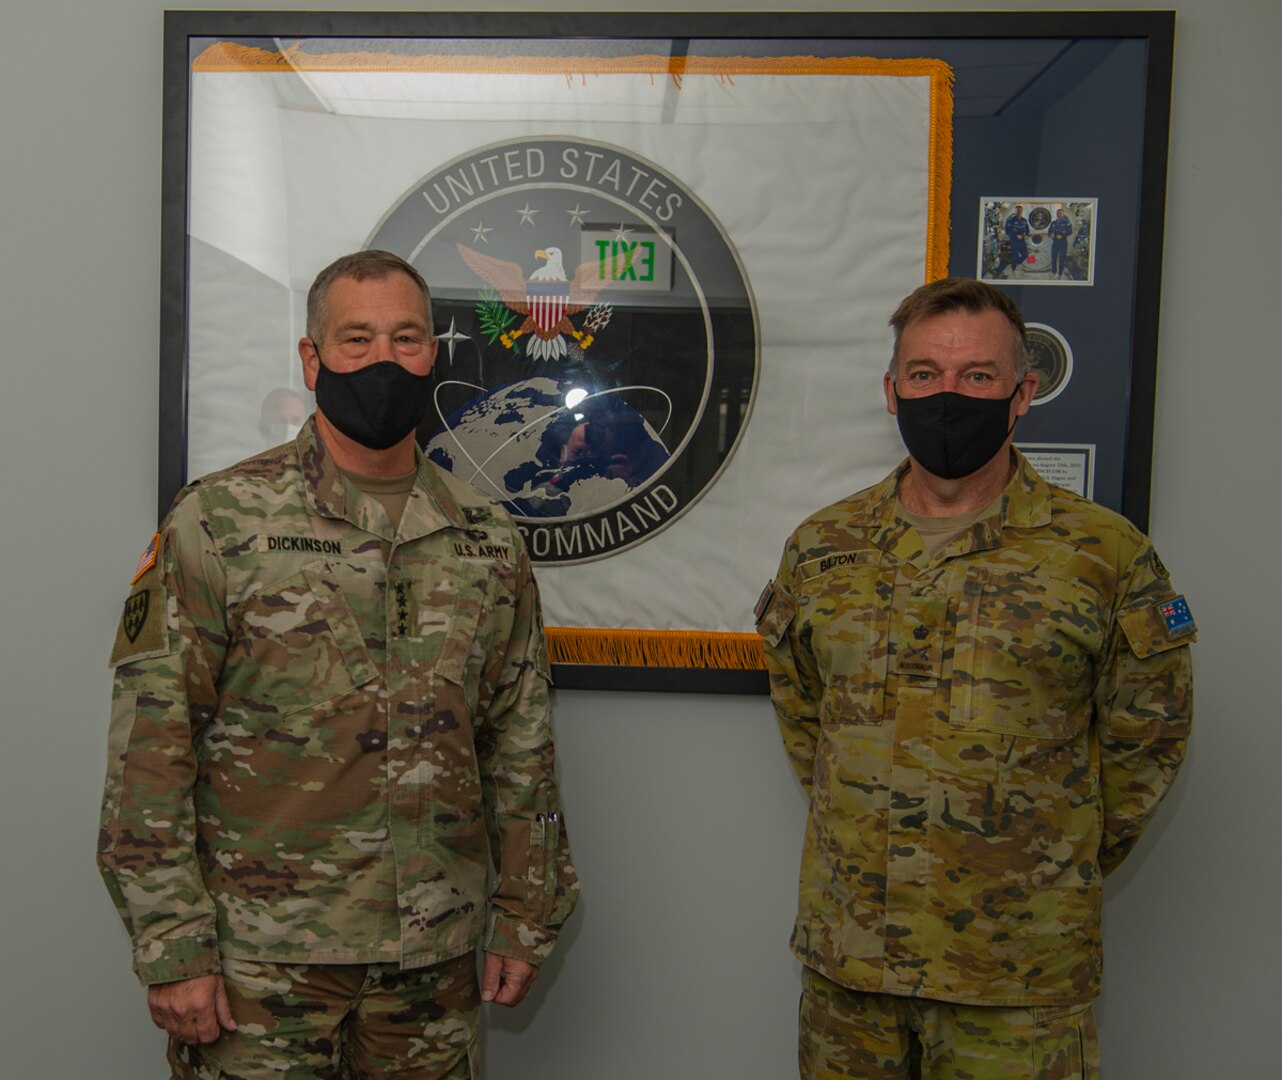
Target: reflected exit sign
x,y
631,259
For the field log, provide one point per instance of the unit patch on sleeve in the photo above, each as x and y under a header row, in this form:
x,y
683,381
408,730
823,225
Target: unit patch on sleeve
x,y
134,618
142,631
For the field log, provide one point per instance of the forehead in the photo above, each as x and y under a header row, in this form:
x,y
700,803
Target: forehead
x,y
394,296
956,337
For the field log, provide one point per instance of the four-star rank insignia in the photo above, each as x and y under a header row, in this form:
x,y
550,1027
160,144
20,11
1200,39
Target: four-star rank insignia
x,y
135,614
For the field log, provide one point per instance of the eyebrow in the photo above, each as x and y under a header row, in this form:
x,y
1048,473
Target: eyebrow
x,y
416,324
926,361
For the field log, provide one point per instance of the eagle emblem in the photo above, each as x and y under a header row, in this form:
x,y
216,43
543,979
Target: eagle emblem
x,y
546,299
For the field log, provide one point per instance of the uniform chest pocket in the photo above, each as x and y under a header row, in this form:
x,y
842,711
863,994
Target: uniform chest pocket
x,y
295,643
468,612
1024,658
846,611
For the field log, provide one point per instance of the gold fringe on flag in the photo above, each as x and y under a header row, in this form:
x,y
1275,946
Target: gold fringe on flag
x,y
655,648
227,56
647,648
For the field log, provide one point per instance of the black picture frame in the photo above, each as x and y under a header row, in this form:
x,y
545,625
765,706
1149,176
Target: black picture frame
x,y
1075,49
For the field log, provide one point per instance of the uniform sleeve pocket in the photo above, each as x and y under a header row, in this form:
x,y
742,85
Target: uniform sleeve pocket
x,y
1146,631
124,708
777,618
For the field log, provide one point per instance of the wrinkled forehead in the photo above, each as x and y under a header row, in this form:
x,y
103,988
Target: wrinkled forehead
x,y
960,333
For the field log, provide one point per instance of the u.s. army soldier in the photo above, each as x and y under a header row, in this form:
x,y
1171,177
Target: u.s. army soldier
x,y
329,727
983,682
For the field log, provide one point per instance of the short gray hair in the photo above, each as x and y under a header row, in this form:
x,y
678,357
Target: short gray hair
x,y
360,266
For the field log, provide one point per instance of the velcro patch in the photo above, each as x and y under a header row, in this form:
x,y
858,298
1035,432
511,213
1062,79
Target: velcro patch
x,y
764,601
142,631
148,559
308,545
812,568
1178,617
479,546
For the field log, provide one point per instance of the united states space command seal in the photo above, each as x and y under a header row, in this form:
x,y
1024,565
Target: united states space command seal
x,y
599,348
1050,356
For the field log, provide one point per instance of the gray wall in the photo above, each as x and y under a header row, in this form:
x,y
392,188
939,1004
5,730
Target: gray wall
x,y
686,820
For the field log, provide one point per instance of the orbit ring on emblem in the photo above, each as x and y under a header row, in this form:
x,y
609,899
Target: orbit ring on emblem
x,y
600,340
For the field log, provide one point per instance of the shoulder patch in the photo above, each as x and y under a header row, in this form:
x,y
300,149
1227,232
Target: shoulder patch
x,y
148,559
1178,617
773,623
764,601
142,631
1159,567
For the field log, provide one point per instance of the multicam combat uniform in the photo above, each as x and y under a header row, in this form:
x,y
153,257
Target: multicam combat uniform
x,y
322,728
983,735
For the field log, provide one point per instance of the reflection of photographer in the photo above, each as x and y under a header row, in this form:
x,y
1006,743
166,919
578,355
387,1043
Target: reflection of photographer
x,y
613,443
281,416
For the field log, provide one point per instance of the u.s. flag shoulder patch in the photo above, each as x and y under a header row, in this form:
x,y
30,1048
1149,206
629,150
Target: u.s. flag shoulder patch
x,y
148,559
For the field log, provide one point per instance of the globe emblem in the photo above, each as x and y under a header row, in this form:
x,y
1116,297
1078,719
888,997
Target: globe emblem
x,y
599,342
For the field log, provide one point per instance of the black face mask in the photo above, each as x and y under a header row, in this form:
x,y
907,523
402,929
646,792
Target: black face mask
x,y
953,435
376,406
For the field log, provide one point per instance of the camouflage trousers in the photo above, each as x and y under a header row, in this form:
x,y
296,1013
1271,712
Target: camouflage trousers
x,y
342,1022
847,1034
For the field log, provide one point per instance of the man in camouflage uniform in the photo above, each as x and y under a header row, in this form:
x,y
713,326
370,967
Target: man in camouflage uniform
x,y
983,683
330,724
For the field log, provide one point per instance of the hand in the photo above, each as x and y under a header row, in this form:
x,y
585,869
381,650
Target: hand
x,y
192,1010
506,981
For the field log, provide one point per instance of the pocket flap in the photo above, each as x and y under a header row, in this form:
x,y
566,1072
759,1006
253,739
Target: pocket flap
x,y
1157,627
778,609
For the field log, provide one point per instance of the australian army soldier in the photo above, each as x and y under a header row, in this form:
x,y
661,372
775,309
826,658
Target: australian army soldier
x,y
329,728
983,683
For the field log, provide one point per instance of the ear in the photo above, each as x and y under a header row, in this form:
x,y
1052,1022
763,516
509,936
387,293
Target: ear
x,y
311,361
432,345
1026,391
888,385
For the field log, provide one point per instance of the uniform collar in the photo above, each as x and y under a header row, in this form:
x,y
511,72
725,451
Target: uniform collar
x,y
1025,504
430,507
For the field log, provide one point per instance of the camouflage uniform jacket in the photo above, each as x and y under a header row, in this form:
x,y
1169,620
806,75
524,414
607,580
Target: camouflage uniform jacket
x,y
323,732
983,734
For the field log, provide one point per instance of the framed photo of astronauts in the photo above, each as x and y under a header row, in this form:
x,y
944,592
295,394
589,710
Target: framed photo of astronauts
x,y
1037,241
663,249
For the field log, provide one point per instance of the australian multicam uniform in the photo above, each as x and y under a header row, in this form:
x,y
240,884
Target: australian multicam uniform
x,y
983,735
322,728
